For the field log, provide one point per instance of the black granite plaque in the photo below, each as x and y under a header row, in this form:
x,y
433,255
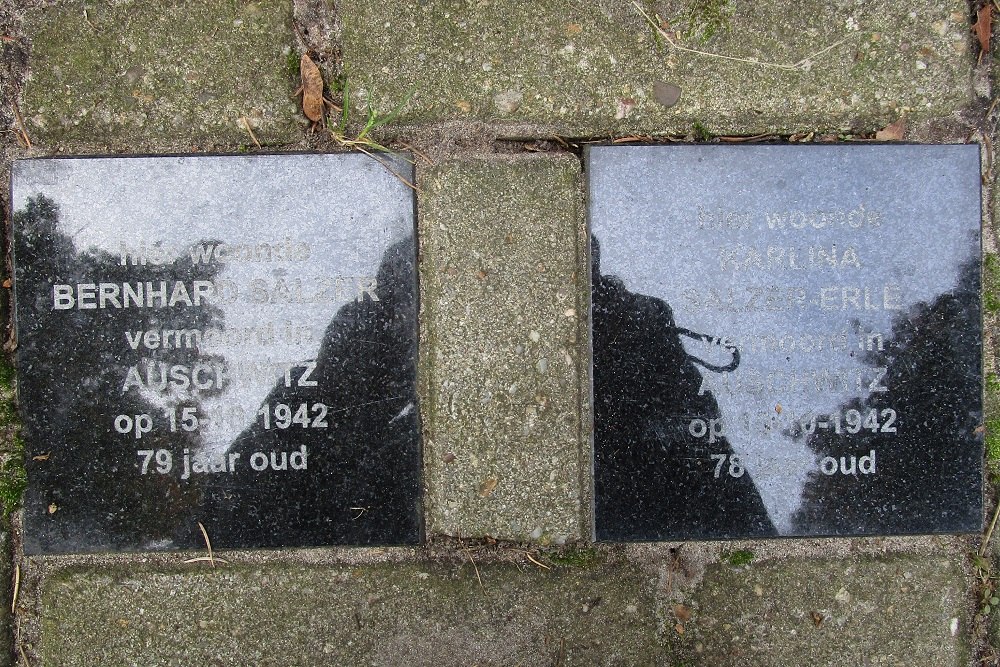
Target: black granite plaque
x,y
223,340
787,340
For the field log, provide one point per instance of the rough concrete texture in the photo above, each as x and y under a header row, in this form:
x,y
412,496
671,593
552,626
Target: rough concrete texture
x,y
894,611
134,74
12,482
988,574
402,614
596,67
6,574
503,344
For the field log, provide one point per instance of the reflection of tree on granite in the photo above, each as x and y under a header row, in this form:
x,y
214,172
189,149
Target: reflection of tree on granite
x,y
85,491
926,476
653,479
362,481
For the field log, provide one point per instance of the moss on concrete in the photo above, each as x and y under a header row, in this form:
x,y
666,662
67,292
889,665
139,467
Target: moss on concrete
x,y
502,319
991,308
12,477
575,556
703,19
12,484
739,558
991,283
897,611
135,75
993,436
386,614
588,67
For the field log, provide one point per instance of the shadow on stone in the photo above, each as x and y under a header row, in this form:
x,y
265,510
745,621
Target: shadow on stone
x,y
909,464
356,480
85,492
653,479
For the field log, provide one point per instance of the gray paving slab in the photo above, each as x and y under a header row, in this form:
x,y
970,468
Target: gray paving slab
x,y
505,453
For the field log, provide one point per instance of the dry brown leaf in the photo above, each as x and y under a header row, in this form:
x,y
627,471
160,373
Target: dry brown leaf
x,y
817,618
983,26
892,131
487,487
679,629
312,89
682,613
41,457
7,283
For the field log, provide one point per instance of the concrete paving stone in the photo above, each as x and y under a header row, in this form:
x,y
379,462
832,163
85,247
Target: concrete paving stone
x,y
6,574
132,74
504,340
596,67
380,615
896,611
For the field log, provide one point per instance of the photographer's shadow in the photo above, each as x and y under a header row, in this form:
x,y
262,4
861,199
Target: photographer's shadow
x,y
653,479
361,484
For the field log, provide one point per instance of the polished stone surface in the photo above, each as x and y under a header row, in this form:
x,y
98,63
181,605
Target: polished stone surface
x,y
787,340
228,341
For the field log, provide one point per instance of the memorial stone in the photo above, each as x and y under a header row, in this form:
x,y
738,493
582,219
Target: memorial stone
x,y
787,340
219,340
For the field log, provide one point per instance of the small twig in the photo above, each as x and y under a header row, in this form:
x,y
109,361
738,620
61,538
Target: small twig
x,y
384,164
740,140
253,136
989,154
418,153
359,510
989,531
20,124
330,103
630,139
208,544
7,38
474,567
992,107
206,559
24,656
670,573
17,587
807,61
561,656
800,66
539,564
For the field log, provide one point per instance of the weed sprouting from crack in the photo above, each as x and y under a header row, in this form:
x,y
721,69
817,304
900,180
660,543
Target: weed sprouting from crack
x,y
373,121
363,140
